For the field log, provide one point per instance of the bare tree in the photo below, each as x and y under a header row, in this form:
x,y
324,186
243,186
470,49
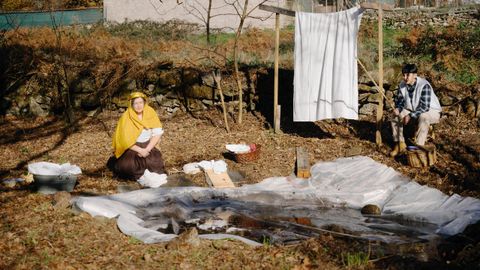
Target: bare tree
x,y
60,60
201,12
242,9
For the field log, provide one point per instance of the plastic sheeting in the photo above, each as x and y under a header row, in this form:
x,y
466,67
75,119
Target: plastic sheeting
x,y
333,195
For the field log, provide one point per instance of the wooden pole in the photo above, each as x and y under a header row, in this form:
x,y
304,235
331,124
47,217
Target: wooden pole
x,y
276,123
378,134
218,79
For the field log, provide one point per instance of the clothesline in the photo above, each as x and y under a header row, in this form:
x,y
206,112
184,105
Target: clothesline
x,y
366,5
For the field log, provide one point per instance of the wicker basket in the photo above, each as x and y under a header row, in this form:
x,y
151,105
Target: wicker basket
x,y
247,157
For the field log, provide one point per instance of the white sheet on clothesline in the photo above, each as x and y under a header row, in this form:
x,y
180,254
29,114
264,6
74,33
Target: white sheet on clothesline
x,y
326,79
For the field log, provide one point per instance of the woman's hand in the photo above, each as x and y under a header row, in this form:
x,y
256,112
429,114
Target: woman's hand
x,y
143,152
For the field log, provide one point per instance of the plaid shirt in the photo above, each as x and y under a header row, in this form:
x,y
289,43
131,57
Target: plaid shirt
x,y
424,104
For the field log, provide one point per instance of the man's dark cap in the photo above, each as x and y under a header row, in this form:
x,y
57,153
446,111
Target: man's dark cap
x,y
409,68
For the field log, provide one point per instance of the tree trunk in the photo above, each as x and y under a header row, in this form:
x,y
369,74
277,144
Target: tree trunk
x,y
209,11
235,62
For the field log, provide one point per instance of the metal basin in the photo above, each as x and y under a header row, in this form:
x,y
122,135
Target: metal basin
x,y
50,184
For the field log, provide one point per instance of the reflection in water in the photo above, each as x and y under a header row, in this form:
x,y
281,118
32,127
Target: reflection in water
x,y
283,222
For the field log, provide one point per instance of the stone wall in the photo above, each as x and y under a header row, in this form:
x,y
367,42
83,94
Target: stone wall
x,y
173,89
434,17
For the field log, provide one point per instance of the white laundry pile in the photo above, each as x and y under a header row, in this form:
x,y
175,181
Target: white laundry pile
x,y
218,166
326,79
238,148
346,182
48,168
152,179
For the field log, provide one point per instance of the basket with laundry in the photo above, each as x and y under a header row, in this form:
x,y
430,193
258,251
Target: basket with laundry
x,y
244,153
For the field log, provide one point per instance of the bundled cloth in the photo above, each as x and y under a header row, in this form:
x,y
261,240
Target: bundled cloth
x,y
152,179
218,166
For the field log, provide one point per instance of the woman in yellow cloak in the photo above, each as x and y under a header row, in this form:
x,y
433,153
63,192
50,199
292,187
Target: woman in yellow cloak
x,y
138,132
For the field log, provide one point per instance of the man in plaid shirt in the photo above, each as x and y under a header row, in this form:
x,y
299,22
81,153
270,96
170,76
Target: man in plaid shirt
x,y
415,100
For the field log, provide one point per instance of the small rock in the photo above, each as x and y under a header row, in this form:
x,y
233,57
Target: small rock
x,y
36,109
159,98
151,88
61,200
373,98
208,102
469,108
188,238
371,209
368,109
446,100
9,183
147,257
353,151
93,113
175,226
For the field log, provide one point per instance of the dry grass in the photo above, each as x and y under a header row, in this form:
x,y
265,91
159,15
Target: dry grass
x,y
35,235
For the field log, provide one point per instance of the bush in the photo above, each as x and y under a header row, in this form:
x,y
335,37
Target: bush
x,y
147,30
12,5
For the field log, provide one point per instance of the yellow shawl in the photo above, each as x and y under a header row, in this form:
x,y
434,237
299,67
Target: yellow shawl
x,y
130,126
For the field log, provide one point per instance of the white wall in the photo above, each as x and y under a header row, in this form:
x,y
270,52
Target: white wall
x,y
130,10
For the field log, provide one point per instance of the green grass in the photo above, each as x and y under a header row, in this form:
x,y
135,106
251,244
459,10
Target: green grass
x,y
359,259
146,30
134,241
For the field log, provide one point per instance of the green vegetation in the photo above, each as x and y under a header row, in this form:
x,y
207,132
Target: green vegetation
x,y
358,259
12,5
449,55
152,31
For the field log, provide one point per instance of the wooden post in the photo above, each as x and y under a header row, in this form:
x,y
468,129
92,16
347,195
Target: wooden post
x,y
303,163
378,134
218,79
276,120
279,116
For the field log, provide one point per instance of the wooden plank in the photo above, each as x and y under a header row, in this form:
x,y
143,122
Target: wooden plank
x,y
303,163
277,10
216,180
383,6
276,119
291,13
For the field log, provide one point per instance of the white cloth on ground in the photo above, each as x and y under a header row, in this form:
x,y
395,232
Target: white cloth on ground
x,y
152,179
325,81
218,166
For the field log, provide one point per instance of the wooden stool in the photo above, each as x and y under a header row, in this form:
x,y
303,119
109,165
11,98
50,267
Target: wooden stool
x,y
423,157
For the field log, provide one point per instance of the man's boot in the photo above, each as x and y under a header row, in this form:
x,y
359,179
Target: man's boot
x,y
399,148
